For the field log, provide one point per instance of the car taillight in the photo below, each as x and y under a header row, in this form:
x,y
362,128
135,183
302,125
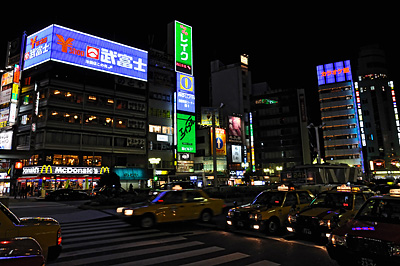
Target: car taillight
x,y
59,237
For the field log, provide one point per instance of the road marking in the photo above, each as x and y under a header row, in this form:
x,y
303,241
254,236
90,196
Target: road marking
x,y
122,246
113,228
130,253
172,257
219,260
108,241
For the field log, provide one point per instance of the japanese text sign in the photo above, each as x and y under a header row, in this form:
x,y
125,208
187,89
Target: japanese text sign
x,y
334,72
68,46
183,48
186,133
185,100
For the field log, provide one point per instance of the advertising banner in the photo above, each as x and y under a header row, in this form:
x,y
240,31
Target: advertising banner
x,y
6,140
220,141
334,72
183,48
68,46
185,99
186,135
235,129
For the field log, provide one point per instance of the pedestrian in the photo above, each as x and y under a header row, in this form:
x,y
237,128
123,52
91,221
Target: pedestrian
x,y
24,192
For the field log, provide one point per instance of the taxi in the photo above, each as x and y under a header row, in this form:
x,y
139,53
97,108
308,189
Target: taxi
x,y
328,210
174,205
46,231
269,210
372,237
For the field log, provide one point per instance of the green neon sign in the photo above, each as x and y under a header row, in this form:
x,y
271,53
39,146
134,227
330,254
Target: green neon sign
x,y
186,133
183,48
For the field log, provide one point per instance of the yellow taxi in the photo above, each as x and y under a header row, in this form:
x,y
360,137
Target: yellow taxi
x,y
269,210
46,231
328,210
174,205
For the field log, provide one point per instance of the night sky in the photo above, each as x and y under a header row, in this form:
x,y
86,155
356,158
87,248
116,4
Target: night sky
x,y
284,42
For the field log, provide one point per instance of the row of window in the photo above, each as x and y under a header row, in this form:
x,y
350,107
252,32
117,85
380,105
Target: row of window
x,y
67,138
86,119
90,99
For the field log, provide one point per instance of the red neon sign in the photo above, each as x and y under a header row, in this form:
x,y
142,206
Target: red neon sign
x,y
336,71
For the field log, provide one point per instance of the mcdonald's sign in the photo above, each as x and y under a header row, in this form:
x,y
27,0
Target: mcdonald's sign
x,y
46,169
104,169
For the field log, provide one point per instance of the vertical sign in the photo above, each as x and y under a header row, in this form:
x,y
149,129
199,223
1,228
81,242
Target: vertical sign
x,y
183,48
185,100
186,135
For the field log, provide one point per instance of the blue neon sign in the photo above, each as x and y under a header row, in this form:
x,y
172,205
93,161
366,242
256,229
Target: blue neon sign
x,y
185,99
68,46
334,72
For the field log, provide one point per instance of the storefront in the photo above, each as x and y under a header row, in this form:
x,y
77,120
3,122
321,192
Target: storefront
x,y
55,177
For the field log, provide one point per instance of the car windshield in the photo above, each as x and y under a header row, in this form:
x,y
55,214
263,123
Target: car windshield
x,y
274,198
9,214
333,200
380,210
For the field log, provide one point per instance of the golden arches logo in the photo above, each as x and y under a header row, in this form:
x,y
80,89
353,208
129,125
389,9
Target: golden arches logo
x,y
104,169
46,169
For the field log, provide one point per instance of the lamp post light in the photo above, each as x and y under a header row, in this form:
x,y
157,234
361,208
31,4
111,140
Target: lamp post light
x,y
154,162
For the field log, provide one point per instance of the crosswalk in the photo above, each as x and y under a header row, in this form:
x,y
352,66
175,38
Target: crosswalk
x,y
114,242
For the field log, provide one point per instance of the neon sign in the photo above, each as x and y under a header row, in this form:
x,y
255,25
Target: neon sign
x,y
183,48
334,72
72,47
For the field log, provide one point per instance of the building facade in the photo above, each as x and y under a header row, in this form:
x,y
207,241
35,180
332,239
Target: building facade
x,y
339,114
280,128
378,114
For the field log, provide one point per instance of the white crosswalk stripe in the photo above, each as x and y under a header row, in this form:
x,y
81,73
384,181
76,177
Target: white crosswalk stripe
x,y
114,242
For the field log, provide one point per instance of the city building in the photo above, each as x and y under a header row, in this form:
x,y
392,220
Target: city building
x,y
280,128
378,114
82,111
230,90
339,114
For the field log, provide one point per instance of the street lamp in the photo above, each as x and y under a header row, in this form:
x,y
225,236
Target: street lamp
x,y
154,162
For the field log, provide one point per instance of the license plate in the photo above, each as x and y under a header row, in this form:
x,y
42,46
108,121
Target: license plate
x,y
240,224
367,262
306,231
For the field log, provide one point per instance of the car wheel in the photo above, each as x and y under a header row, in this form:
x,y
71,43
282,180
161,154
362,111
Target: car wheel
x,y
206,216
273,226
147,221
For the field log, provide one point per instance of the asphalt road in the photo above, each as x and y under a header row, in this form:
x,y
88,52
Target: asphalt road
x,y
220,247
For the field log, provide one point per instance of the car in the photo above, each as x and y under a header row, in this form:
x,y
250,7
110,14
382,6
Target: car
x,y
328,210
108,191
46,231
372,237
269,210
20,251
66,194
172,186
172,206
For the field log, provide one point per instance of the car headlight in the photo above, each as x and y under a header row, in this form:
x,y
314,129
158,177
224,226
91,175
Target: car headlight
x,y
292,218
230,214
128,212
337,240
326,223
120,209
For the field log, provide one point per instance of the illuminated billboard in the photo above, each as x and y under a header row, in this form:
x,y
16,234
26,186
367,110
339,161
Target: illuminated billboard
x,y
334,72
235,129
220,141
183,48
185,99
72,47
186,133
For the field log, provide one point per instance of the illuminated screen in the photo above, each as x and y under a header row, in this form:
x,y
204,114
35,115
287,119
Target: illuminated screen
x,y
72,47
334,72
185,100
186,133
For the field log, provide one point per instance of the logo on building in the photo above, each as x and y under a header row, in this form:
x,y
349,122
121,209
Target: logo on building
x,y
104,169
66,46
47,169
92,52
